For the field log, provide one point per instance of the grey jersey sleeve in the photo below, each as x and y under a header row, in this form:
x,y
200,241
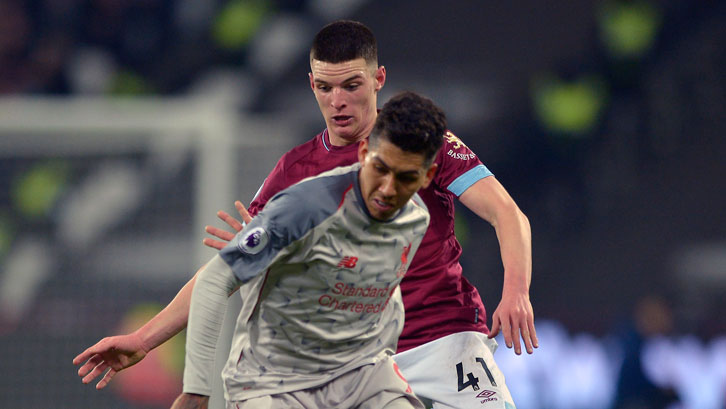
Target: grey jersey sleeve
x,y
287,217
215,282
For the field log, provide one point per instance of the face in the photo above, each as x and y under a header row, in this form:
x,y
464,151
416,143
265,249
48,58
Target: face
x,y
346,93
389,177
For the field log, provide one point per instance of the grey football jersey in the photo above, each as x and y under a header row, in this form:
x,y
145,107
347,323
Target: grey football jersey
x,y
321,278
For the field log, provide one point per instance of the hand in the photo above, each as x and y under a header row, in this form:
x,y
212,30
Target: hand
x,y
190,401
117,353
224,235
515,317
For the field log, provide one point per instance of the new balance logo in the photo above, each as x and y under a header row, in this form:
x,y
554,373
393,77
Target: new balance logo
x,y
348,262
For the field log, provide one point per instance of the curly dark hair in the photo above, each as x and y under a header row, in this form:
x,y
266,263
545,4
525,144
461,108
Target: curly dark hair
x,y
411,122
344,40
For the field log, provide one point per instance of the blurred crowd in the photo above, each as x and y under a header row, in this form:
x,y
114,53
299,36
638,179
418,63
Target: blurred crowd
x,y
122,46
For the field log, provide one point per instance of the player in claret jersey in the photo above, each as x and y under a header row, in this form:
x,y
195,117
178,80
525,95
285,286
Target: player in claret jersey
x,y
446,349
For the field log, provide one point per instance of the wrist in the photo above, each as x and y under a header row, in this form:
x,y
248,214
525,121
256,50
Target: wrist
x,y
144,340
516,285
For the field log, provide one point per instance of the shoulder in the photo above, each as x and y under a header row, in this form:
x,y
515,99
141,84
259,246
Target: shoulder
x,y
419,206
298,153
415,212
454,149
418,202
314,198
287,171
458,165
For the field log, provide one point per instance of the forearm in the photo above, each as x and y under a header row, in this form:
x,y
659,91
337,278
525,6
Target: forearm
x,y
190,401
490,201
169,321
515,245
214,283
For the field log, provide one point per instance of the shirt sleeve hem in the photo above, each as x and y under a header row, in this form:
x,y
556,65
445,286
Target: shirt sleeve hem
x,y
464,181
197,390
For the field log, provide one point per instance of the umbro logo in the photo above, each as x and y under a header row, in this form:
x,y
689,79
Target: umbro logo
x,y
348,262
486,394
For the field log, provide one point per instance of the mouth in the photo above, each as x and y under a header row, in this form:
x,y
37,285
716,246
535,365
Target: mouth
x,y
342,120
382,206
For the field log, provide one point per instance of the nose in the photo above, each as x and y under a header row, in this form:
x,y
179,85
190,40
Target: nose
x,y
388,186
337,99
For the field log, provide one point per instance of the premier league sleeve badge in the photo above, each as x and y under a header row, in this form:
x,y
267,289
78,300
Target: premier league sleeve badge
x,y
253,241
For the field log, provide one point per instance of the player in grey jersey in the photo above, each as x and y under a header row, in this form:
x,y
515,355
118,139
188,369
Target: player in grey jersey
x,y
321,265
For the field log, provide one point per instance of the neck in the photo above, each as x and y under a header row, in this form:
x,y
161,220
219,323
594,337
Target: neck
x,y
336,140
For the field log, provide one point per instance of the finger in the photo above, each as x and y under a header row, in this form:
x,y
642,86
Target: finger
x,y
88,366
507,332
526,337
515,338
231,221
82,357
533,333
222,234
219,245
106,379
88,353
494,331
243,211
95,372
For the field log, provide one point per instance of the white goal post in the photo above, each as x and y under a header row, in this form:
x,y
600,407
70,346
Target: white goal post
x,y
214,132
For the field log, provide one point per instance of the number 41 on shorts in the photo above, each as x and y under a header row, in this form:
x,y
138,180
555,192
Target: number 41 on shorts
x,y
472,380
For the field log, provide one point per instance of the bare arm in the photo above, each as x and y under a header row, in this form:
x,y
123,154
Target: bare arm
x,y
169,321
514,315
122,351
190,401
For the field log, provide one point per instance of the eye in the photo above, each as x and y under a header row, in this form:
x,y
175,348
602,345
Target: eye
x,y
407,179
380,169
323,87
352,87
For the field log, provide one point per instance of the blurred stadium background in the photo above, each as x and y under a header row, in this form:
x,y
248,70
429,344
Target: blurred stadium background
x,y
125,125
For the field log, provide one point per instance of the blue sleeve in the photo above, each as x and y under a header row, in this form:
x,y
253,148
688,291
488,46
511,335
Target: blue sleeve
x,y
463,182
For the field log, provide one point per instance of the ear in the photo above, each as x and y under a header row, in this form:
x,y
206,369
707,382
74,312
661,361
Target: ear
x,y
362,151
380,77
312,81
430,173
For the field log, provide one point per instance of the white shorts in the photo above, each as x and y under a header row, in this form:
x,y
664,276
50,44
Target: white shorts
x,y
373,386
456,371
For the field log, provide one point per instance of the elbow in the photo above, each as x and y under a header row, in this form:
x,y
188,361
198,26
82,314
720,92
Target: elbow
x,y
523,220
522,217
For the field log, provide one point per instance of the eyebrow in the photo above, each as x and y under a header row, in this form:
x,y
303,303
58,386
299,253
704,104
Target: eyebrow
x,y
349,79
401,173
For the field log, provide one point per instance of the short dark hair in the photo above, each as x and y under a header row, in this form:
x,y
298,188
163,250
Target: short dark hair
x,y
411,122
344,40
